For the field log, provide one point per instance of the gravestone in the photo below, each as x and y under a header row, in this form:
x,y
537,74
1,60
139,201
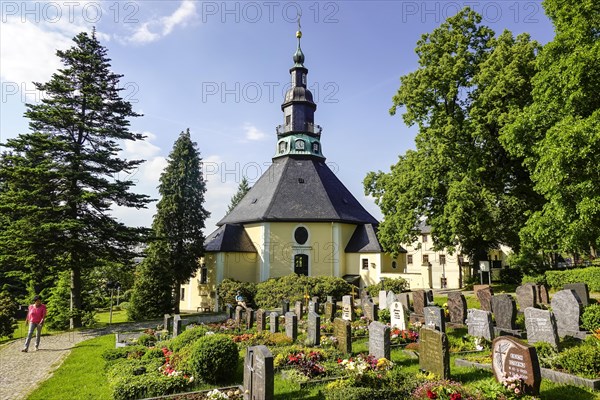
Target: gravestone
x,y
299,310
330,310
567,311
285,306
435,318
230,311
404,298
347,308
541,326
379,340
177,325
582,292
239,310
370,310
526,296
291,325
261,319
511,357
274,322
313,330
343,333
259,374
505,311
479,323
542,294
398,316
168,322
330,299
457,307
249,318
434,355
391,297
313,306
383,299
419,301
484,294
429,297
315,299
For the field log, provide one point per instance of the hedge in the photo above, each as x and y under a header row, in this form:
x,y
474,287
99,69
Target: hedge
x,y
590,275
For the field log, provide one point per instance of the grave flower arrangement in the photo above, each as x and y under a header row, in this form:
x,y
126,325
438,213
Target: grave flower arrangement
x,y
404,336
441,389
362,364
307,363
514,384
168,370
328,341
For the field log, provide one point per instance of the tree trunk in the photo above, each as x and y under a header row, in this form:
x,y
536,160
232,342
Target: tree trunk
x,y
177,297
75,306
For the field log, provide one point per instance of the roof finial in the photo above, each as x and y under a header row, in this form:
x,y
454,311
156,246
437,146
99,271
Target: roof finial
x,y
299,32
299,56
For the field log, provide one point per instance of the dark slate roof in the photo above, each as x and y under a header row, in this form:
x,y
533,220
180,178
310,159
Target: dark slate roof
x,y
298,189
364,240
230,238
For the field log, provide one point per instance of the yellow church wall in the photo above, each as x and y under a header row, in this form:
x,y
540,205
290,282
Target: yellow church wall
x,y
241,267
200,297
347,230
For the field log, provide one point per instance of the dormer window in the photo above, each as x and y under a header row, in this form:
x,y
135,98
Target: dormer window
x,y
288,119
299,144
282,146
304,79
315,147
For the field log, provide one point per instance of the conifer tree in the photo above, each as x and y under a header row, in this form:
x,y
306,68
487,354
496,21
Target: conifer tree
x,y
243,188
76,131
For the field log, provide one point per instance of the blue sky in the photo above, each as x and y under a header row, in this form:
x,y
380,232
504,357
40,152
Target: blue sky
x,y
221,68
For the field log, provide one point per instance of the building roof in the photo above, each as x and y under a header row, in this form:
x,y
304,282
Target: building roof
x,y
298,189
364,240
423,227
229,238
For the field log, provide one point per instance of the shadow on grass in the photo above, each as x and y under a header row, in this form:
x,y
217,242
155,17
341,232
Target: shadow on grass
x,y
567,393
466,375
299,395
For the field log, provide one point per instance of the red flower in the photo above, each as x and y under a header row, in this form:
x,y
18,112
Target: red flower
x,y
456,396
431,395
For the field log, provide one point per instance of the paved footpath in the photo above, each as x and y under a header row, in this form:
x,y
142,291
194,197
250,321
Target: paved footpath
x,y
20,373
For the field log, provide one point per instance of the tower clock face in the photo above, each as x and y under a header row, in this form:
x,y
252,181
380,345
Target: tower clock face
x,y
300,144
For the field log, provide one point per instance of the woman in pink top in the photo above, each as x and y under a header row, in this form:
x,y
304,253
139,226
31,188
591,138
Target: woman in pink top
x,y
35,317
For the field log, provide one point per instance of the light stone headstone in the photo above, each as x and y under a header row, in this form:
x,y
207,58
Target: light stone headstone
x,y
239,311
582,292
347,308
261,319
342,330
379,340
391,297
383,299
505,311
168,322
330,299
404,298
457,307
285,306
370,310
541,326
526,296
434,318
330,310
299,310
314,329
274,322
434,354
567,311
398,316
177,325
479,323
259,374
511,357
313,306
291,325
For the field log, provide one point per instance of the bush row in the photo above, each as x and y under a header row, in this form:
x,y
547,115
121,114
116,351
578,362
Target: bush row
x,y
590,275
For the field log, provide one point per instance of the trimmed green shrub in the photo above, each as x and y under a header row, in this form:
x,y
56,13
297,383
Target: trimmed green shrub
x,y
538,279
396,285
590,319
153,353
583,360
8,312
511,275
590,275
213,358
186,337
124,352
228,288
147,340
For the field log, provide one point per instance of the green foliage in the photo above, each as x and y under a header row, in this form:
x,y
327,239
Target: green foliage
x,y
152,292
539,279
362,393
8,312
270,293
243,188
396,285
130,352
583,360
147,340
590,275
384,315
154,353
213,358
228,288
511,275
59,312
590,319
186,337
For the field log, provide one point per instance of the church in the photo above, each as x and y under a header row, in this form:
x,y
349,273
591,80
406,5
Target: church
x,y
298,218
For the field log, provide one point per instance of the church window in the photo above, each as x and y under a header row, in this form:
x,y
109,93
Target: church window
x,y
409,259
424,238
442,259
365,263
394,264
425,259
315,147
304,79
182,294
301,235
299,144
301,264
203,274
288,119
282,146
300,180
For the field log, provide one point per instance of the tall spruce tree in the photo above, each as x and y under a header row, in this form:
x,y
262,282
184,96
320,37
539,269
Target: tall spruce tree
x,y
76,130
178,241
243,188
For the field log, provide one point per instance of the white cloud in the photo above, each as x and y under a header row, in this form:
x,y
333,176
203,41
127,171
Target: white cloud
x,y
253,133
141,148
157,28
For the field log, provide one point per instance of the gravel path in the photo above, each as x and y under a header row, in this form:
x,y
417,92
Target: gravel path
x,y
20,373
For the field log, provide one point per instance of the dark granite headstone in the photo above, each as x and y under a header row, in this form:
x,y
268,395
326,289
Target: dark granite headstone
x,y
542,294
168,322
505,311
541,326
285,306
249,318
526,296
370,310
291,325
261,319
511,357
274,322
419,301
342,330
479,323
404,298
379,340
177,325
429,297
347,308
299,310
567,311
330,310
434,355
435,318
398,316
582,292
484,294
239,311
314,329
259,374
457,307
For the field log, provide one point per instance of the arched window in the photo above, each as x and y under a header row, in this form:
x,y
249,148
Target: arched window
x,y
301,264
